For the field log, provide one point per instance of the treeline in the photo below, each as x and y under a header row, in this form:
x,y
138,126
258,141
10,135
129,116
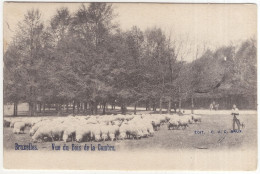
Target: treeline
x,y
85,59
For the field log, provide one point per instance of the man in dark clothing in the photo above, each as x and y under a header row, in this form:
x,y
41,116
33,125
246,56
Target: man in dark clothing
x,y
235,113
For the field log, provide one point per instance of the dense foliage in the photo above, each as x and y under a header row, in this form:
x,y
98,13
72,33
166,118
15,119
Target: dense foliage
x,y
85,58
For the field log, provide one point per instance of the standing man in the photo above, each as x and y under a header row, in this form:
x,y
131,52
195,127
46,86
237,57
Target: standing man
x,y
235,113
211,106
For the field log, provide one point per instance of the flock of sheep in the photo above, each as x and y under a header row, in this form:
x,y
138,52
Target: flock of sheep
x,y
97,128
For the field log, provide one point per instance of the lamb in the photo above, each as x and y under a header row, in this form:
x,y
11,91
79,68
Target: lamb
x,y
19,127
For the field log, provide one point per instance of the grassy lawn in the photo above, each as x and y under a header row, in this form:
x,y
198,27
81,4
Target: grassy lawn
x,y
170,139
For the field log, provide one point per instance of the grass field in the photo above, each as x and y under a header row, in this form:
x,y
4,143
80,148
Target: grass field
x,y
170,139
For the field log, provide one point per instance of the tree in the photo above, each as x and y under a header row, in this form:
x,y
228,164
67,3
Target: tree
x,y
29,59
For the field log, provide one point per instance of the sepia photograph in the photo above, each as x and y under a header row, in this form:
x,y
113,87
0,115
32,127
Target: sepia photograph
x,y
130,86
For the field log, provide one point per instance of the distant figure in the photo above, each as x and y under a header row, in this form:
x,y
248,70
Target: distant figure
x,y
235,113
216,107
211,106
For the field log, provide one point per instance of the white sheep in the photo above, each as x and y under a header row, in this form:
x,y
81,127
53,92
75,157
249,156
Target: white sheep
x,y
96,132
113,132
183,122
173,123
43,132
53,130
83,132
36,126
70,127
123,131
19,127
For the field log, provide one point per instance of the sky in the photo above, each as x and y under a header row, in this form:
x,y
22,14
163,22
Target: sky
x,y
195,26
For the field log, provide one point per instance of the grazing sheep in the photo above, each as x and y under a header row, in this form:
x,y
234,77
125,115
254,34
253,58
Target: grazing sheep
x,y
156,125
173,123
6,123
113,132
134,131
19,127
37,125
13,122
123,131
196,118
70,127
83,133
42,133
96,133
149,128
183,122
51,131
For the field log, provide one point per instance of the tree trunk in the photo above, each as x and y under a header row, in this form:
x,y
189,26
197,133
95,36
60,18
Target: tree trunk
x,y
85,107
192,105
43,109
169,106
34,108
81,106
15,109
67,107
179,104
123,108
40,109
179,99
73,108
78,107
31,108
57,107
14,113
161,105
135,109
104,108
94,107
149,105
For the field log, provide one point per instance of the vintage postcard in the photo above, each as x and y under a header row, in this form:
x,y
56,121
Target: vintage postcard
x,y
130,86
